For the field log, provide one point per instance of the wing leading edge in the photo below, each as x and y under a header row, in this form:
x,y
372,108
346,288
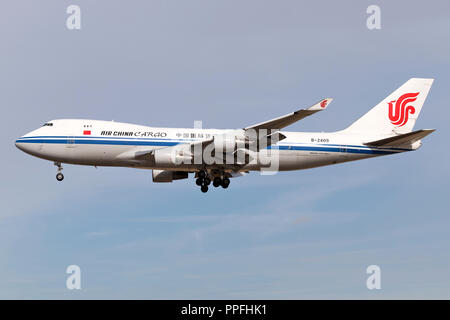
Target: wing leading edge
x,y
288,119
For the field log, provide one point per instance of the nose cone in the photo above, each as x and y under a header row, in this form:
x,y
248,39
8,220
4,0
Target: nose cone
x,y
28,142
21,144
29,145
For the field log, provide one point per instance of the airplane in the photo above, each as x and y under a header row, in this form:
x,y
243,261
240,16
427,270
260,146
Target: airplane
x,y
215,155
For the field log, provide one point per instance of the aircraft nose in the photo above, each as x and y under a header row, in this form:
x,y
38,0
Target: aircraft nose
x,y
27,145
19,144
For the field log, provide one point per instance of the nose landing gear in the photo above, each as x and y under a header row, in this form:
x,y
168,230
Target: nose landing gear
x,y
59,175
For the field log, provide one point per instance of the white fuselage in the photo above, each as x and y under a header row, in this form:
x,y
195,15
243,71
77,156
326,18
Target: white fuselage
x,y
109,143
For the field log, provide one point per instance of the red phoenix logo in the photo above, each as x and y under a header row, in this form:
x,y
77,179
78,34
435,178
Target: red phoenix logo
x,y
400,113
323,104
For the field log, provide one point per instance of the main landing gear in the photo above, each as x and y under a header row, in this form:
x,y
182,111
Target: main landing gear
x,y
204,180
59,175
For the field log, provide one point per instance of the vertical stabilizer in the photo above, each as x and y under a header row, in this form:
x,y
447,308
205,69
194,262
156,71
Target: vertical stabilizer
x,y
398,112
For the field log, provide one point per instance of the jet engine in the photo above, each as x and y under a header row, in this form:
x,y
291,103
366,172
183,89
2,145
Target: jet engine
x,y
228,143
167,157
168,176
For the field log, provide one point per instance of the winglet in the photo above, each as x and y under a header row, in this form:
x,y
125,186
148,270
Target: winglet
x,y
322,104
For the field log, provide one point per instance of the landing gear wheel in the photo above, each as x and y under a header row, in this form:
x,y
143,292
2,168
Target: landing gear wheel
x,y
217,182
207,181
59,175
202,174
225,183
204,188
199,181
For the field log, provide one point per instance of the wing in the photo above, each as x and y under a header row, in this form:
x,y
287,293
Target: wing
x,y
286,120
271,136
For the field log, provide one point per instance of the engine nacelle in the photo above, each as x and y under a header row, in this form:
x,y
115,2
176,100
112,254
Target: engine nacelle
x,y
224,143
168,176
228,143
167,157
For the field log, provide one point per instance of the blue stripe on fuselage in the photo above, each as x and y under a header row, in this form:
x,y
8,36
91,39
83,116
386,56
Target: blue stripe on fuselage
x,y
108,142
173,142
186,140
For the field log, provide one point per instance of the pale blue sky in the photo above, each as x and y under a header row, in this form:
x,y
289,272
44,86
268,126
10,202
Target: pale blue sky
x,y
304,234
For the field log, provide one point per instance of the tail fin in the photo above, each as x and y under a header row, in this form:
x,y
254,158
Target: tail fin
x,y
397,113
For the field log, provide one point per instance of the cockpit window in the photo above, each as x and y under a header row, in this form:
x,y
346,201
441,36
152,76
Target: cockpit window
x,y
48,124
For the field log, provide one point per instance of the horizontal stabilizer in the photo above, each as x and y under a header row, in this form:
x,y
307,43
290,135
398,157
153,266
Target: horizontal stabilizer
x,y
401,139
